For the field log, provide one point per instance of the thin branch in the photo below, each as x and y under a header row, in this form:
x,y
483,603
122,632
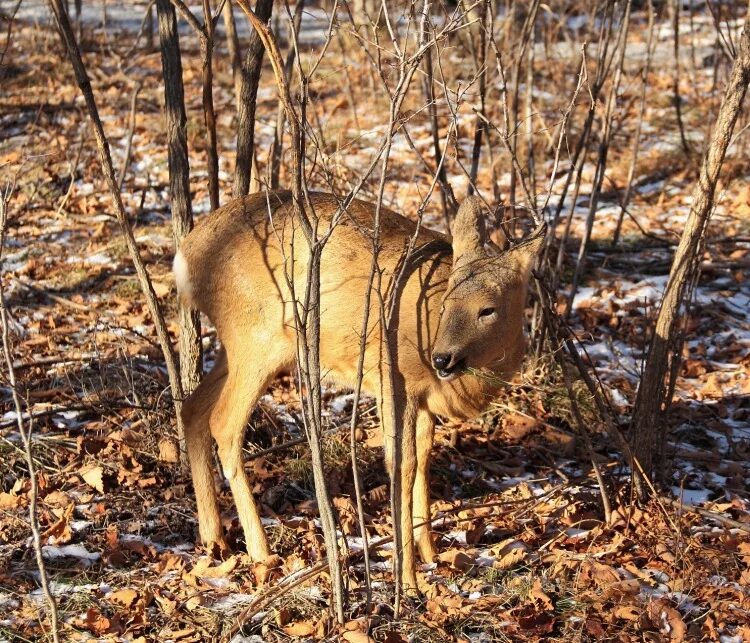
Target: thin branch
x,y
66,34
25,429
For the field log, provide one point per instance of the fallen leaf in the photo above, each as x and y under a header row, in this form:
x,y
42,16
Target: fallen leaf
x,y
627,612
93,476
96,622
9,501
204,569
594,572
539,594
123,597
300,628
458,559
512,559
357,637
168,450
668,620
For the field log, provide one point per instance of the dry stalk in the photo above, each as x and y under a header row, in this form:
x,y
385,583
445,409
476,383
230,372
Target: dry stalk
x,y
131,132
662,363
641,112
601,164
447,198
307,309
278,136
25,428
676,98
449,517
583,431
66,33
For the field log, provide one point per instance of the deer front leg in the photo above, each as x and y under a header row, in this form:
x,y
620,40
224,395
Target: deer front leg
x,y
399,422
421,511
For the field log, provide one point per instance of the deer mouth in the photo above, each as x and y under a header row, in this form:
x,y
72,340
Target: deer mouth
x,y
454,371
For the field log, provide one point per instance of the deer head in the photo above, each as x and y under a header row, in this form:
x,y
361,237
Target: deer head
x,y
481,320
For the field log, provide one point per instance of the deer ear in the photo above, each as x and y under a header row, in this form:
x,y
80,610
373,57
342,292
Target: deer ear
x,y
523,255
468,229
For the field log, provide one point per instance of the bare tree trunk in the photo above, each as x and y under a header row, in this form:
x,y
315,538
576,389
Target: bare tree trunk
x,y
663,360
207,49
480,65
82,79
306,308
676,75
150,28
274,168
233,46
179,180
248,93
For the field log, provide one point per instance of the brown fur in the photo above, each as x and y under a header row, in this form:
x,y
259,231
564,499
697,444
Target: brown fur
x,y
232,268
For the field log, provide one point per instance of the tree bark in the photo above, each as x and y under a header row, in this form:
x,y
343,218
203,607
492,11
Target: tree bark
x,y
179,180
82,79
278,138
233,47
663,360
248,93
209,117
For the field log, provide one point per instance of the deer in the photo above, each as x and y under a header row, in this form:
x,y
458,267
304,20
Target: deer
x,y
457,334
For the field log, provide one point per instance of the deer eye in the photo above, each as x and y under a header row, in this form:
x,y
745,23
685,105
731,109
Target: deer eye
x,y
486,312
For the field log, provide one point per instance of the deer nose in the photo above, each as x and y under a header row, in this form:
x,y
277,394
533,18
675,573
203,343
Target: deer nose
x,y
441,361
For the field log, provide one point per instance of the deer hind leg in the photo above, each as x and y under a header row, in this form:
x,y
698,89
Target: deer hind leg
x,y
406,414
196,411
421,510
248,376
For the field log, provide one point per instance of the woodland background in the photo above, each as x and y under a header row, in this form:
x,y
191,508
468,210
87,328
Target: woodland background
x,y
576,508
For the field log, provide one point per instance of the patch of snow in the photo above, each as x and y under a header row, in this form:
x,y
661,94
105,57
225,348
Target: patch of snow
x,y
8,602
70,551
584,297
338,404
692,497
241,638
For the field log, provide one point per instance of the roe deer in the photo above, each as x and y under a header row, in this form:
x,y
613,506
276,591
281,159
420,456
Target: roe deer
x,y
458,335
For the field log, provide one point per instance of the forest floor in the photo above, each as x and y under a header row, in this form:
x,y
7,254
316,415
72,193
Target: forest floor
x,y
525,550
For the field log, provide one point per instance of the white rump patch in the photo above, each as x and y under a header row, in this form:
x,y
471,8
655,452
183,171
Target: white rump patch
x,y
182,278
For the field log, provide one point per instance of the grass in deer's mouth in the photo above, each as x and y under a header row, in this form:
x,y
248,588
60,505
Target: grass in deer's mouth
x,y
457,369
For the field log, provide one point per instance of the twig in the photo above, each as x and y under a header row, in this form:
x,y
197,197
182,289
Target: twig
x,y
584,433
11,18
601,163
71,184
291,581
81,308
706,513
641,112
131,132
66,33
664,354
25,429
